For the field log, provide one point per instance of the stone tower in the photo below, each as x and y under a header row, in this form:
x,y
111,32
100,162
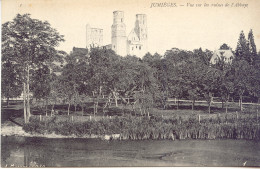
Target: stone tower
x,y
141,26
94,37
118,29
141,30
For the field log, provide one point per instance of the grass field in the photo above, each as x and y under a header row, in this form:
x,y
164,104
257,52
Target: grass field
x,y
15,109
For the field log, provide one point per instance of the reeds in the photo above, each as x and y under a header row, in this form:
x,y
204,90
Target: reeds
x,y
143,128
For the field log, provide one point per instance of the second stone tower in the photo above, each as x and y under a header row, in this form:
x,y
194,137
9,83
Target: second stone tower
x,y
119,40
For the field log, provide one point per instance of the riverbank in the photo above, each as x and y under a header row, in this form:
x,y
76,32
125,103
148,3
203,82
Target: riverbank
x,y
14,130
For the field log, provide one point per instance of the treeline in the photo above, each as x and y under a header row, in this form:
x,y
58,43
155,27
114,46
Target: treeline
x,y
29,64
100,73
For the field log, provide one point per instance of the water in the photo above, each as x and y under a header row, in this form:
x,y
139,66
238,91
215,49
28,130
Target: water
x,y
45,152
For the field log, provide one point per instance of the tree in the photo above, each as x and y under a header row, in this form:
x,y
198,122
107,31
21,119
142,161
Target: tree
x,y
204,57
11,85
252,46
40,86
244,77
29,43
174,70
100,63
68,84
157,64
246,51
226,86
83,90
146,87
192,81
175,82
242,50
257,75
211,80
224,47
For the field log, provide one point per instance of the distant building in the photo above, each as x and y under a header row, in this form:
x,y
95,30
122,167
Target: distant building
x,y
94,37
136,42
133,44
107,46
226,54
79,54
137,39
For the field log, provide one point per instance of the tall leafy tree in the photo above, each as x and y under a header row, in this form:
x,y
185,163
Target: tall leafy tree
x,y
211,80
174,69
30,43
68,81
226,86
100,63
244,78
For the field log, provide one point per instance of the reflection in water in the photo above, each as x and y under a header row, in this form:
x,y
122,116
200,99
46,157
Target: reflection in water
x,y
40,152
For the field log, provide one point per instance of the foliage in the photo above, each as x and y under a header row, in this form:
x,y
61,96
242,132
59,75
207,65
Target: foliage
x,y
11,85
252,46
40,85
242,50
224,46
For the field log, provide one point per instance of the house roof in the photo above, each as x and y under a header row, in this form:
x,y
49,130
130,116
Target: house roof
x,y
227,54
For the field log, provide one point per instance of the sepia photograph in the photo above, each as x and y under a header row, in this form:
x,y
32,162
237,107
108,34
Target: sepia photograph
x,y
130,83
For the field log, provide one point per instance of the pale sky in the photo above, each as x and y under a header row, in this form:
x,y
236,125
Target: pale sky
x,y
181,27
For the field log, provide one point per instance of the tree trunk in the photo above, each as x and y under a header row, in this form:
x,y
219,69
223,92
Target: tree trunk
x,y
109,101
24,103
69,109
7,101
75,106
82,108
43,103
193,104
209,107
114,94
178,104
94,103
227,103
28,95
226,106
96,108
52,109
241,103
46,108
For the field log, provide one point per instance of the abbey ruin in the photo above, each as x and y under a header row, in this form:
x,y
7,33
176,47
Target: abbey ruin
x,y
133,44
